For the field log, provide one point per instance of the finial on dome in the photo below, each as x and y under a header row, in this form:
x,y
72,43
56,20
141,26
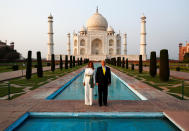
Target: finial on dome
x,y
97,9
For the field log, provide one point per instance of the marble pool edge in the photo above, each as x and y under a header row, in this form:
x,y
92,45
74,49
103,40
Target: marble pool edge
x,y
26,115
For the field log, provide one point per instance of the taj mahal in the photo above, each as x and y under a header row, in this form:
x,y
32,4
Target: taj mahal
x,y
98,41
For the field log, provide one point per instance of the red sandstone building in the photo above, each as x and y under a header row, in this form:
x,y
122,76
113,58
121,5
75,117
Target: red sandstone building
x,y
183,50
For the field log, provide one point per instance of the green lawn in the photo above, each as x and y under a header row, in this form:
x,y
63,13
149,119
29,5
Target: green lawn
x,y
33,83
174,85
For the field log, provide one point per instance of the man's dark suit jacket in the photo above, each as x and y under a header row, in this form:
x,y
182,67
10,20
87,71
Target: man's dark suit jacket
x,y
101,79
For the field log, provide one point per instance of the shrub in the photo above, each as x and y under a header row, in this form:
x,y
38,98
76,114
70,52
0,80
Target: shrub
x,y
35,66
52,63
78,62
178,68
153,64
123,62
29,65
15,67
119,61
133,67
164,65
186,58
73,61
81,61
39,65
140,64
127,64
61,63
66,62
48,64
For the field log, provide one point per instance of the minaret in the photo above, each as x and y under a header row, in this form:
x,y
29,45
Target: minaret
x,y
143,37
125,44
68,43
50,37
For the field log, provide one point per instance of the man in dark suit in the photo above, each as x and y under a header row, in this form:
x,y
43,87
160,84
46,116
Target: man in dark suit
x,y
103,80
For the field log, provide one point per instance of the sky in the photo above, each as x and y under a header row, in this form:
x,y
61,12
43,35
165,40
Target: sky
x,y
25,22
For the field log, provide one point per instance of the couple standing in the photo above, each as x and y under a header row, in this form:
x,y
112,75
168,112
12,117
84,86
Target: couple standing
x,y
102,78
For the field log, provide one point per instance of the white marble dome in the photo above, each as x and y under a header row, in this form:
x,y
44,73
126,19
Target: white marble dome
x,y
97,22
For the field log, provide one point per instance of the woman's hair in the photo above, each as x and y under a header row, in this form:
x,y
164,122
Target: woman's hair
x,y
90,62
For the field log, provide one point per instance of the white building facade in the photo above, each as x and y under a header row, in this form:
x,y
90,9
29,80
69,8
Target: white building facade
x,y
98,41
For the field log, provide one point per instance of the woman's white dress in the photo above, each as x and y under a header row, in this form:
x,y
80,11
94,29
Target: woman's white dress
x,y
88,89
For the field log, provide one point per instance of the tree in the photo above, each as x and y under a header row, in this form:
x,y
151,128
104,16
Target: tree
x,y
7,53
153,64
78,62
61,63
39,65
71,61
123,62
81,61
164,65
29,65
66,62
133,67
186,58
140,64
119,61
127,64
52,63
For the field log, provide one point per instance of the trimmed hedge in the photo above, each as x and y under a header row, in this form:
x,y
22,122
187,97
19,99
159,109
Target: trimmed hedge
x,y
153,64
39,65
164,65
52,63
61,63
127,64
66,62
29,65
140,64
123,62
71,61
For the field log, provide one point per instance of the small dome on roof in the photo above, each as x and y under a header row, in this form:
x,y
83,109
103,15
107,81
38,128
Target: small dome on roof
x,y
83,29
110,29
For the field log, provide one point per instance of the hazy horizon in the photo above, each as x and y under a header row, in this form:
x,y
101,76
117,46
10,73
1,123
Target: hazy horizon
x,y
25,22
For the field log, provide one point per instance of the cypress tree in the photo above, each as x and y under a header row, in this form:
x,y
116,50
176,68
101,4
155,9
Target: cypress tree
x,y
66,62
123,62
164,65
133,67
153,64
140,63
29,65
61,63
78,62
127,64
81,61
39,65
71,61
52,63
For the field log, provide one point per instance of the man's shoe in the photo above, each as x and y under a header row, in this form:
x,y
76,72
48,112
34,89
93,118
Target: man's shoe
x,y
100,105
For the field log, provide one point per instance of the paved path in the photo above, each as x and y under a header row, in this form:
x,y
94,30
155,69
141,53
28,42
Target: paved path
x,y
34,101
19,73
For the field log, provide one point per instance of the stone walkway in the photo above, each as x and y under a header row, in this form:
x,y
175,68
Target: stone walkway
x,y
34,101
19,73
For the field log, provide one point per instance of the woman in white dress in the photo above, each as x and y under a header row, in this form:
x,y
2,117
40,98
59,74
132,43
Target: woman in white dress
x,y
89,83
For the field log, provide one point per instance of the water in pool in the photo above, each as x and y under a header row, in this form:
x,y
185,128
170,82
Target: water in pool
x,y
96,124
117,90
